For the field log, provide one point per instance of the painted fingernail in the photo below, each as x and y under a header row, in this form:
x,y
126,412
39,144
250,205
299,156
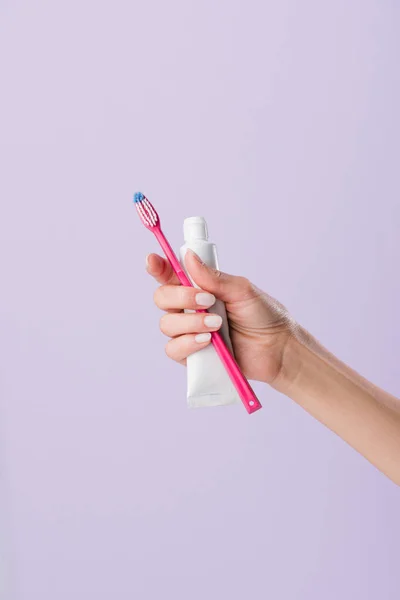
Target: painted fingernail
x,y
201,338
205,299
213,321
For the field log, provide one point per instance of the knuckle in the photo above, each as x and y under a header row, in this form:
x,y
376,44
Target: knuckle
x,y
246,284
168,350
157,296
164,324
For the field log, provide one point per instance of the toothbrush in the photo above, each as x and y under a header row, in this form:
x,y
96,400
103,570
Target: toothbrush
x,y
151,221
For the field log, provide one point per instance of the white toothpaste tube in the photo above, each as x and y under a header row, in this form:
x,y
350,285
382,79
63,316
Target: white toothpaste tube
x,y
208,384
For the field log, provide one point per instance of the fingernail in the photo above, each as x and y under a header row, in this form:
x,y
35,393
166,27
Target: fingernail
x,y
201,338
205,299
213,321
147,261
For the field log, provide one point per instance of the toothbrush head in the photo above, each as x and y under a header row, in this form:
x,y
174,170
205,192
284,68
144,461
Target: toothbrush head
x,y
146,211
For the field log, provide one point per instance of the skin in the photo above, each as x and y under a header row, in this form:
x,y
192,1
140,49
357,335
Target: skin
x,y
271,347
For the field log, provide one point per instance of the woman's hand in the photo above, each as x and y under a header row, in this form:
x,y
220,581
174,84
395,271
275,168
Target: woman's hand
x,y
270,347
260,327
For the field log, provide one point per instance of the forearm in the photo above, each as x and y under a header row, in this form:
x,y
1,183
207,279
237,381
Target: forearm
x,y
364,416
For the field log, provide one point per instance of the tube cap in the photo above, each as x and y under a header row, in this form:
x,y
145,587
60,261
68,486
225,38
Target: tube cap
x,y
195,228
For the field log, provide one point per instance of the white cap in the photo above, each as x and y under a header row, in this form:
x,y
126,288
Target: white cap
x,y
195,228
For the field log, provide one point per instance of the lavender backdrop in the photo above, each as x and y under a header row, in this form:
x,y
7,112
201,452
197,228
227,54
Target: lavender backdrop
x,y
279,122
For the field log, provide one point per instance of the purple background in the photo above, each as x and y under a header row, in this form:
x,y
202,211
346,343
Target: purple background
x,y
279,122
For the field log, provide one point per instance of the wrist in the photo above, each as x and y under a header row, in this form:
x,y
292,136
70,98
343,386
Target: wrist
x,y
294,358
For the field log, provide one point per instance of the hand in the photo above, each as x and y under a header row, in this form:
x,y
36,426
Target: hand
x,y
269,346
260,327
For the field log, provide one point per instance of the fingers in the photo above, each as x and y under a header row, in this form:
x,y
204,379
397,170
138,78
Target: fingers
x,y
181,347
229,288
161,270
174,297
174,325
192,332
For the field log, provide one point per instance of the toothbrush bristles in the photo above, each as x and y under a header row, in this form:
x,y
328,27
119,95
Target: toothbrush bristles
x,y
138,196
146,210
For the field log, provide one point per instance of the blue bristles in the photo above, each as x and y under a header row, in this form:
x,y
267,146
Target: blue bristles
x,y
138,197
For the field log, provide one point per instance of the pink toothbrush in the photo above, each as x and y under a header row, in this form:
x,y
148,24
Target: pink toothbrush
x,y
150,219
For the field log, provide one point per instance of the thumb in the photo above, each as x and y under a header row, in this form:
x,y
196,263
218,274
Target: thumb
x,y
228,288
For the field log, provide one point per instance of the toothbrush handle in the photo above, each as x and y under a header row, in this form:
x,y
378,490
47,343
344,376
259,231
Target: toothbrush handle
x,y
247,395
170,254
244,389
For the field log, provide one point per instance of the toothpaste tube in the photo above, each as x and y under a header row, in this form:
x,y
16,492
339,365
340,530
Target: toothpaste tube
x,y
208,384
